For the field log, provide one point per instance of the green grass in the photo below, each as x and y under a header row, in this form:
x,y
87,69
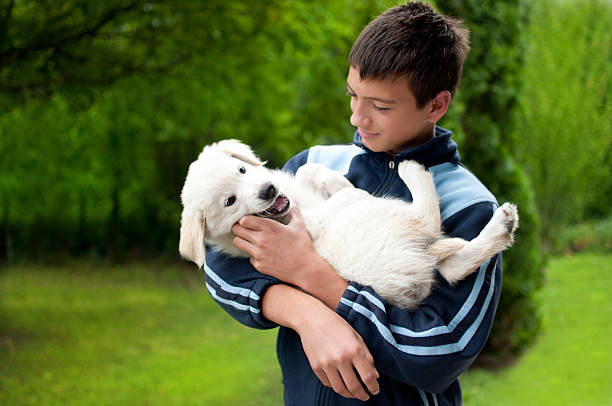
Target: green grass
x,y
128,335
571,363
150,335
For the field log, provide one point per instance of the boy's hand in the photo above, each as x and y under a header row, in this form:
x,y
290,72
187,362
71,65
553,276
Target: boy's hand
x,y
286,252
338,355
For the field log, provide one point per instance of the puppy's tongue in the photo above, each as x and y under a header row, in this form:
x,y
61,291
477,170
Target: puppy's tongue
x,y
279,203
278,207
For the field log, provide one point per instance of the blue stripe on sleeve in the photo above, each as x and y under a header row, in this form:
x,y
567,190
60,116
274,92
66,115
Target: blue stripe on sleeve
x,y
229,288
444,349
465,309
228,302
458,189
444,329
243,294
423,397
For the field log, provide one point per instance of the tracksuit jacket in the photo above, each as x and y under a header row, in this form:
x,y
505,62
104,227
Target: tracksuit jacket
x,y
418,353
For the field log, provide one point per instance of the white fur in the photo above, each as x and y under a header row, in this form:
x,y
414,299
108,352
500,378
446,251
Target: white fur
x,y
388,244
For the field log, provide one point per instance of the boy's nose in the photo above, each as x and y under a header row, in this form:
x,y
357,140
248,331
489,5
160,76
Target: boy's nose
x,y
358,119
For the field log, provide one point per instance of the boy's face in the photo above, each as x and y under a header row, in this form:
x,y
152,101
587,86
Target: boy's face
x,y
386,115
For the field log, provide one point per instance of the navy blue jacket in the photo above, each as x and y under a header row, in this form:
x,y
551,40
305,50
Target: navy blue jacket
x,y
418,353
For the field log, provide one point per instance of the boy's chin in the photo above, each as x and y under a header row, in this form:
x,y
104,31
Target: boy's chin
x,y
375,146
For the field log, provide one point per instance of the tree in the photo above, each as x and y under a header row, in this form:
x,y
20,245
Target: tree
x,y
485,114
566,112
118,97
47,45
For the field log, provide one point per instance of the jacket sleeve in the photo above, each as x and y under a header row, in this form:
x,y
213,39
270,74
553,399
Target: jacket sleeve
x,y
238,287
429,347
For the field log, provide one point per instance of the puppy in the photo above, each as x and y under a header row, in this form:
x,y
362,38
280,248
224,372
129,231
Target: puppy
x,y
388,244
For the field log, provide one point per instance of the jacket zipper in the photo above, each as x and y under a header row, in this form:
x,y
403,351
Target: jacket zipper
x,y
389,177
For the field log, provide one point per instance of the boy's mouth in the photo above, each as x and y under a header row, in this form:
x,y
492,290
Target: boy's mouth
x,y
279,207
365,134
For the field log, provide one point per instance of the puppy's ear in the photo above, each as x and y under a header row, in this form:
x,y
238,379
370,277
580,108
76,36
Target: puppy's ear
x,y
239,150
191,244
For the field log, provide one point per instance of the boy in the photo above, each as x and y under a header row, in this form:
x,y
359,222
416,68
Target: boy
x,y
339,343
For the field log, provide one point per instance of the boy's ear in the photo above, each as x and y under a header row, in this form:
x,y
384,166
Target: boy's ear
x,y
239,150
438,106
193,229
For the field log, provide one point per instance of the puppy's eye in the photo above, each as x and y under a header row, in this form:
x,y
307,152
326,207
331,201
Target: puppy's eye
x,y
230,200
242,169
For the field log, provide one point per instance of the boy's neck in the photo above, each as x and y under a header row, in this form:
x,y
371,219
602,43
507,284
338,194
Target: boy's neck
x,y
428,134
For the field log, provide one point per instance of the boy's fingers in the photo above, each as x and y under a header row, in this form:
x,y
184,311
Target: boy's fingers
x,y
244,245
322,377
258,223
352,383
368,375
337,383
244,233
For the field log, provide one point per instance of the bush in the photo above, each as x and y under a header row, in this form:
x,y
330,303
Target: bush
x,y
484,115
585,237
566,111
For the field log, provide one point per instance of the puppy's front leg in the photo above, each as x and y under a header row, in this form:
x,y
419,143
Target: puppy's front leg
x,y
321,178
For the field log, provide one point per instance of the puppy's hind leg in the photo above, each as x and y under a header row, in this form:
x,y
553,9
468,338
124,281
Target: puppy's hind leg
x,y
497,235
425,202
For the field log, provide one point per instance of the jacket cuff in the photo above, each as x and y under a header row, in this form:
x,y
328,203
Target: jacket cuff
x,y
260,287
349,297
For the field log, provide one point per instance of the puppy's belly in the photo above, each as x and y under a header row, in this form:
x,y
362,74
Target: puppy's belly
x,y
373,242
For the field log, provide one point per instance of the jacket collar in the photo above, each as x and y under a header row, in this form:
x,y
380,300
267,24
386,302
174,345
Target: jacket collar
x,y
437,150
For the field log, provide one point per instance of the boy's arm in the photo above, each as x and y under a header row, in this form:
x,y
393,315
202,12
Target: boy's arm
x,y
428,347
335,351
238,288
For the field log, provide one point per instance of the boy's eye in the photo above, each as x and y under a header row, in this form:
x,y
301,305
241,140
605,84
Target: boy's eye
x,y
378,108
230,200
349,93
242,169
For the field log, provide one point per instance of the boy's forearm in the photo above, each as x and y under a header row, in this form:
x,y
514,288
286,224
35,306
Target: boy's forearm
x,y
336,353
327,286
322,281
288,306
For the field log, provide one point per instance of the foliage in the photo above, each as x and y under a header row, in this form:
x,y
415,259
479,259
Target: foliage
x,y
566,111
49,45
92,165
484,116
570,364
591,236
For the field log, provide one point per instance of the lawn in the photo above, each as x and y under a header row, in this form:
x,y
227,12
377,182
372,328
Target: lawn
x,y
130,335
150,335
571,363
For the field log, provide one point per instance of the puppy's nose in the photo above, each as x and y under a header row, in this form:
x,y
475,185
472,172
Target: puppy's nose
x,y
268,191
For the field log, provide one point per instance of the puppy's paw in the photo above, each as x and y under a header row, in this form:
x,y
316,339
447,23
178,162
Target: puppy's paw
x,y
321,178
310,173
509,217
502,226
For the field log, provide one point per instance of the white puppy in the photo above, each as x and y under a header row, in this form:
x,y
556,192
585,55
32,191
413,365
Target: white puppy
x,y
387,244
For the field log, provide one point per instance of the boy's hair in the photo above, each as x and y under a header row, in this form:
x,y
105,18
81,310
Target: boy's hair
x,y
415,41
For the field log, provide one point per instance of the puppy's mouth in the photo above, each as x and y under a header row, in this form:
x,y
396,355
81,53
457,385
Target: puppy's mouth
x,y
279,207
